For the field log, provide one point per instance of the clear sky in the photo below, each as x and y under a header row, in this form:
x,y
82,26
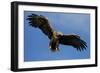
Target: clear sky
x,y
36,44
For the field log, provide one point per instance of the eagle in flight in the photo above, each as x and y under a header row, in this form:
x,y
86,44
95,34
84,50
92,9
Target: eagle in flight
x,y
56,38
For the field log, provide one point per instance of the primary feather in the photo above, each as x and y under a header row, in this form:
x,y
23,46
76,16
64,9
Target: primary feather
x,y
73,40
41,22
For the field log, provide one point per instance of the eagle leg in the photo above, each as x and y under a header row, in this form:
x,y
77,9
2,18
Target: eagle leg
x,y
54,44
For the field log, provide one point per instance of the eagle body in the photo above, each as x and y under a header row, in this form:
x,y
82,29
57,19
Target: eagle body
x,y
56,38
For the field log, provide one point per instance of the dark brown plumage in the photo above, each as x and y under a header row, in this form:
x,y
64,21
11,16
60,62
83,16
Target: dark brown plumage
x,y
56,38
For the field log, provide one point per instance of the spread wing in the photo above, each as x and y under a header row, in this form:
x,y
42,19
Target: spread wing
x,y
41,22
73,40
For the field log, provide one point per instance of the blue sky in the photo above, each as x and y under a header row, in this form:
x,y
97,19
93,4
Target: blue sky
x,y
36,44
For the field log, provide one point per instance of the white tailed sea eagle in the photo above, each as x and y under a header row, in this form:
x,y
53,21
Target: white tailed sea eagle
x,y
56,38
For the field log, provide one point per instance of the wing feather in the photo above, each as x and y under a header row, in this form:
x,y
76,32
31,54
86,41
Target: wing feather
x,y
41,22
73,40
